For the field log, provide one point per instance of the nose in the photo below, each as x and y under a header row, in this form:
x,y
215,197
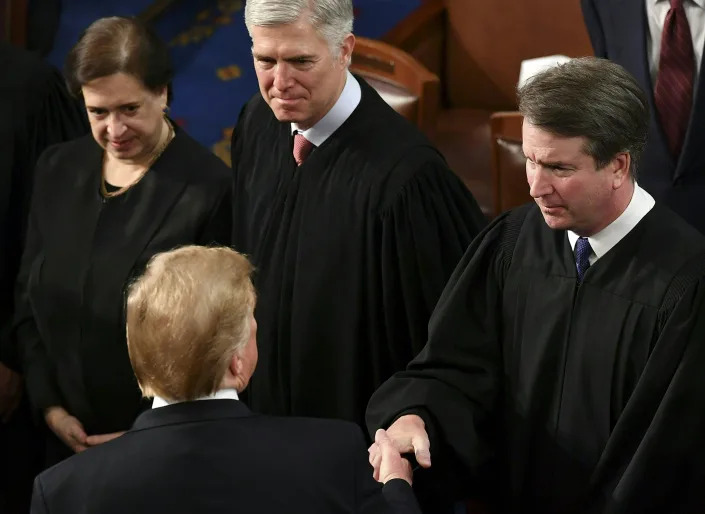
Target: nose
x,y
539,180
282,77
116,127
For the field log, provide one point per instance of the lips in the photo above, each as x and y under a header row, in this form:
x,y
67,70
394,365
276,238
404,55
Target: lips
x,y
120,144
551,209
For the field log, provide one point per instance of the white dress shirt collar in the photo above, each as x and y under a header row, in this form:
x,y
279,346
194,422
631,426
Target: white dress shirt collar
x,y
223,394
699,3
602,242
341,111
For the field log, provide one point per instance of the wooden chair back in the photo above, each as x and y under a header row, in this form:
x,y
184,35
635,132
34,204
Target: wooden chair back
x,y
508,164
405,83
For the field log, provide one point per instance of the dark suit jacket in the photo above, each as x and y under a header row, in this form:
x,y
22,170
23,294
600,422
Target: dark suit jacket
x,y
81,252
36,111
215,456
618,31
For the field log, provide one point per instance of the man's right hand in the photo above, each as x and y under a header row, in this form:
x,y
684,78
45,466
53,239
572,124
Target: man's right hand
x,y
408,435
391,465
67,428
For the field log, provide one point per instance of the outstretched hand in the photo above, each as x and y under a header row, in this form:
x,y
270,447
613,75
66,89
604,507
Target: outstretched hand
x,y
67,428
95,440
406,435
388,463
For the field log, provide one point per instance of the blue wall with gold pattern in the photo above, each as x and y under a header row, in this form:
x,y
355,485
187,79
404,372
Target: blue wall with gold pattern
x,y
211,52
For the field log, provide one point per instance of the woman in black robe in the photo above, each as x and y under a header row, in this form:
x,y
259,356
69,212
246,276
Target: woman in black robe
x,y
102,206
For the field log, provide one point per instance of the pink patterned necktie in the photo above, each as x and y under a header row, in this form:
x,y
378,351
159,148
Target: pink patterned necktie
x,y
673,93
302,147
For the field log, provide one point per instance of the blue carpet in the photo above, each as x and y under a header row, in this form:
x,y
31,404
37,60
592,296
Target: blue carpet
x,y
211,52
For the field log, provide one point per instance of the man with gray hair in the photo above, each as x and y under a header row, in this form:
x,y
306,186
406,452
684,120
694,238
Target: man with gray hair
x,y
563,372
352,219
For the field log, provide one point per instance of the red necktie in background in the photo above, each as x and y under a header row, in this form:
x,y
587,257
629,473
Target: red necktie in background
x,y
674,84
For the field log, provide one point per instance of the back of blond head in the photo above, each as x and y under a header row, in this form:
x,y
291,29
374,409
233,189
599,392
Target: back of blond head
x,y
186,317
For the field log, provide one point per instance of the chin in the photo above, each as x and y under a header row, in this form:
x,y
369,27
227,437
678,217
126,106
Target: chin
x,y
122,155
556,222
284,115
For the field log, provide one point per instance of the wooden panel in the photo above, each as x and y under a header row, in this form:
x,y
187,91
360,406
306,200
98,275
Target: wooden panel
x,y
422,35
487,40
13,21
387,63
508,163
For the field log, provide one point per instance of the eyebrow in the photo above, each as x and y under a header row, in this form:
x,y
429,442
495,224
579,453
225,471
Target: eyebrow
x,y
555,164
550,164
301,57
129,104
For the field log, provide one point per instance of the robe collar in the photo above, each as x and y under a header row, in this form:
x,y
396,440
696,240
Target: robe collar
x,y
347,102
607,238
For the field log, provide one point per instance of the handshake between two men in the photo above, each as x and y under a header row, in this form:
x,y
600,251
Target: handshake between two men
x,y
406,435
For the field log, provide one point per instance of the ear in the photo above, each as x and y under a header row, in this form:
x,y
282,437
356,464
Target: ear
x,y
163,95
621,165
234,375
346,49
236,365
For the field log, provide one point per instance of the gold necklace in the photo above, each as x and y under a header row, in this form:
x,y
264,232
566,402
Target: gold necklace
x,y
110,194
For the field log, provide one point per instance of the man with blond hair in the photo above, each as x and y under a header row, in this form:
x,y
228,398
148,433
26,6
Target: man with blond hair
x,y
192,337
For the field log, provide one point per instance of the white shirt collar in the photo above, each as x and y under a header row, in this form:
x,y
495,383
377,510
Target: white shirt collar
x,y
341,111
699,3
222,394
602,242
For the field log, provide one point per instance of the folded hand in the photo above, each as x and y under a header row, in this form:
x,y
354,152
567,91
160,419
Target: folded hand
x,y
67,428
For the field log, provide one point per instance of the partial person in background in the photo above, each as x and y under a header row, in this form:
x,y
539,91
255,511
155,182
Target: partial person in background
x,y
353,220
102,206
564,368
192,341
661,43
36,111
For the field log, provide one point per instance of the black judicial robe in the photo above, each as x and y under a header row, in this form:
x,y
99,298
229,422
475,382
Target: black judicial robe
x,y
36,111
352,251
551,397
81,252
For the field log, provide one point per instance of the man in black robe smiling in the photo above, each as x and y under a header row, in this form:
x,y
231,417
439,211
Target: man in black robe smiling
x,y
564,368
353,220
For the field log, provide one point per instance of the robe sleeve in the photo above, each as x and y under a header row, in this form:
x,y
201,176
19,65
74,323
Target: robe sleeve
x,y
59,117
654,460
53,116
45,114
425,232
218,228
454,383
38,370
